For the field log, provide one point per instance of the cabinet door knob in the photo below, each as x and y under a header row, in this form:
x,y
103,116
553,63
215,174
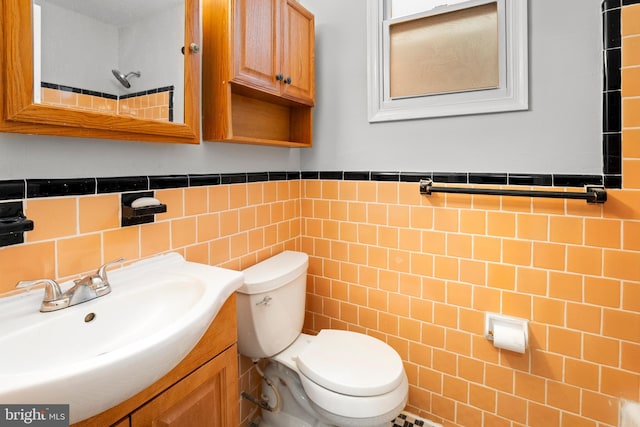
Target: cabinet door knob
x,y
279,77
194,48
287,81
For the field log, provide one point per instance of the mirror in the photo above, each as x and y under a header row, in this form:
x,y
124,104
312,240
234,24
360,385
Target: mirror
x,y
103,69
130,61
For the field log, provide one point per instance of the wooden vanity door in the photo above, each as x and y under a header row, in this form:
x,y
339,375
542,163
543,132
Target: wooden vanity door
x,y
206,398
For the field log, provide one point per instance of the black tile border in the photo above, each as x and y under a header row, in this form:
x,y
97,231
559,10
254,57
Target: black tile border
x,y
277,176
12,189
415,176
356,175
385,176
542,180
148,92
488,178
613,181
204,180
60,187
612,153
40,188
234,178
611,91
612,112
122,184
161,182
562,180
331,175
451,177
309,175
65,88
611,70
257,176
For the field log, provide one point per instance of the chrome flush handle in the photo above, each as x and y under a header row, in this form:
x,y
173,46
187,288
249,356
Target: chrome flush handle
x,y
265,301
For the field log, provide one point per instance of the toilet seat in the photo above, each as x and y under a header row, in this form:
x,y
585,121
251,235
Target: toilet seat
x,y
351,364
357,406
348,374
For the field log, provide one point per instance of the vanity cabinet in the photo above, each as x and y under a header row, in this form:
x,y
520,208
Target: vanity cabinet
x,y
201,391
202,399
258,72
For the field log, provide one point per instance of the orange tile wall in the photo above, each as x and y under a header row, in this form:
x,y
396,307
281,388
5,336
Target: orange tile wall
x,y
151,107
232,226
79,101
420,272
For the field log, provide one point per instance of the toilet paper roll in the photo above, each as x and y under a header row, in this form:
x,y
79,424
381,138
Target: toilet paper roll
x,y
509,336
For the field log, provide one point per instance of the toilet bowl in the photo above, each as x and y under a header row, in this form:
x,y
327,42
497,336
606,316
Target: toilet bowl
x,y
335,378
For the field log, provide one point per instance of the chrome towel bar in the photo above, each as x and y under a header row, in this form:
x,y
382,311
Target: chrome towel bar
x,y
592,194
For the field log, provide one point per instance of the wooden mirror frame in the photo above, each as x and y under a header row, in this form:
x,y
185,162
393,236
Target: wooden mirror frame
x,y
19,113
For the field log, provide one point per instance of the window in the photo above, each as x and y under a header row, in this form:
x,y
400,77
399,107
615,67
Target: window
x,y
430,60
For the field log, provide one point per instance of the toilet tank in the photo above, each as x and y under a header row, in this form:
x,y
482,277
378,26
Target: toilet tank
x,y
270,304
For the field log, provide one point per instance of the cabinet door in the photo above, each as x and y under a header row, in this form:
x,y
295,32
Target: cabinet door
x,y
206,398
298,53
256,43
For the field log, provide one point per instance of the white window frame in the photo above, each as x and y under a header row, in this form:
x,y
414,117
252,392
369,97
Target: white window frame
x,y
512,94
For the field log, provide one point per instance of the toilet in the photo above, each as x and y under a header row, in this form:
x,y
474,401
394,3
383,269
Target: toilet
x,y
334,378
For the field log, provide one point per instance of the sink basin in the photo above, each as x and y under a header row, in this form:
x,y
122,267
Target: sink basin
x,y
97,354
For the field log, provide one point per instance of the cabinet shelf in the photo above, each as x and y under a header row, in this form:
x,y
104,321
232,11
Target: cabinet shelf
x,y
255,120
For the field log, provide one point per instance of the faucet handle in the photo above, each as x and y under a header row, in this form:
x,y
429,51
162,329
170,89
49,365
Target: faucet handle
x,y
102,271
52,290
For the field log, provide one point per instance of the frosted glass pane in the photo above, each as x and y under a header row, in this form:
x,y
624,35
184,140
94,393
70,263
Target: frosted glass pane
x,y
450,52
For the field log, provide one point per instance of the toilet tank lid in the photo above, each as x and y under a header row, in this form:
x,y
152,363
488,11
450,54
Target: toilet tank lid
x,y
274,272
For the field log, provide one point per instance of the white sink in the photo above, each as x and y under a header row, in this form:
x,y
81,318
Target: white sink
x,y
157,311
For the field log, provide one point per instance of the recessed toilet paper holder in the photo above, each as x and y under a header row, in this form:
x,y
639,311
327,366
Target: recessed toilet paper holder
x,y
490,320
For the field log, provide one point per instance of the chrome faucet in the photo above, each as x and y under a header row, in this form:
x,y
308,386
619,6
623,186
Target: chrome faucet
x,y
85,289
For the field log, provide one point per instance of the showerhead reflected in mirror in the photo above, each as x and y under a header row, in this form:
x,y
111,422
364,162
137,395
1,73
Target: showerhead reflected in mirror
x,y
124,78
81,39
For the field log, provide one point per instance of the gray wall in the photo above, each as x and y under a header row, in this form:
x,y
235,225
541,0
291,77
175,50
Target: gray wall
x,y
152,46
560,133
69,54
32,156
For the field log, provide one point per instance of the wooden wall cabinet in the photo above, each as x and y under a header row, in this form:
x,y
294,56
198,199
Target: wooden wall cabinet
x,y
201,391
258,72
